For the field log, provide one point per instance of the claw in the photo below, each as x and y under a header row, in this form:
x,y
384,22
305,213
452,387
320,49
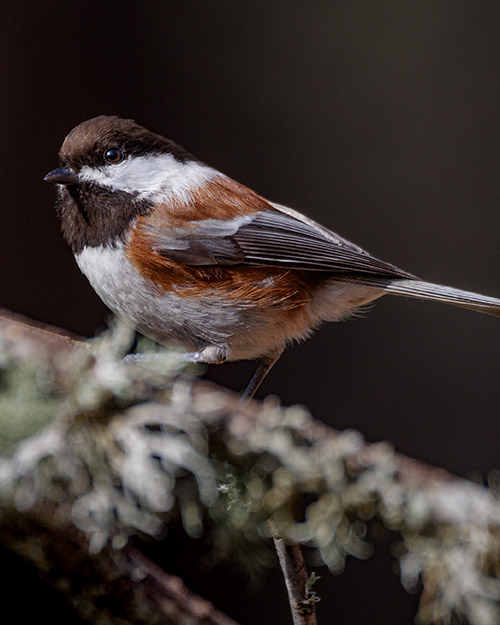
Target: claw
x,y
192,357
131,359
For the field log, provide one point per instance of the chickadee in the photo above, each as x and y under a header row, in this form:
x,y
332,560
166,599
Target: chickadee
x,y
188,256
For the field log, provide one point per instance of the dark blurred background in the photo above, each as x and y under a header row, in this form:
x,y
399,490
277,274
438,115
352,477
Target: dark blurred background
x,y
379,119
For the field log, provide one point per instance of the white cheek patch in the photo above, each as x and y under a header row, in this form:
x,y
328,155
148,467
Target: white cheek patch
x,y
156,177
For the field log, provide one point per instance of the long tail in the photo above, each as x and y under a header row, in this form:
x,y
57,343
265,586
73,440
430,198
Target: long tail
x,y
438,293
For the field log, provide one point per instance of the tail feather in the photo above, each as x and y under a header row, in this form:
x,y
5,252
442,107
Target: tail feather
x,y
438,293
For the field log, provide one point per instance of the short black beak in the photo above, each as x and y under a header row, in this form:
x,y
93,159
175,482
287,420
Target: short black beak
x,y
62,175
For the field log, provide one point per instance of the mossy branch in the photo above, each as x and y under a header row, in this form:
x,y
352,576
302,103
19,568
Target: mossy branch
x,y
95,449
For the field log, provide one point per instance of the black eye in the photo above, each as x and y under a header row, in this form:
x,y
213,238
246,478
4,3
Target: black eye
x,y
113,155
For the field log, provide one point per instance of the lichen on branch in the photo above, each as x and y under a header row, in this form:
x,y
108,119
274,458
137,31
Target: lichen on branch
x,y
125,447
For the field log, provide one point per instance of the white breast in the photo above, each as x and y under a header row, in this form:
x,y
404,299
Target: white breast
x,y
112,276
164,316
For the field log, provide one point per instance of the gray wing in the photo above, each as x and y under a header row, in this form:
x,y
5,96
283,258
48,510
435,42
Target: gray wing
x,y
269,238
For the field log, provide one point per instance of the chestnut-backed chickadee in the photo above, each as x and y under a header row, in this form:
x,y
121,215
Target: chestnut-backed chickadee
x,y
188,256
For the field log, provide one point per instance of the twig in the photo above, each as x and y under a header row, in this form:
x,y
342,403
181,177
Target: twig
x,y
143,592
289,553
302,600
171,595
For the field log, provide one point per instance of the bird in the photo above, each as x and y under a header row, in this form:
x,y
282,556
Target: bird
x,y
192,258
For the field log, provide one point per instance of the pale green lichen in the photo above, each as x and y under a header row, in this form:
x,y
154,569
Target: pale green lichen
x,y
29,398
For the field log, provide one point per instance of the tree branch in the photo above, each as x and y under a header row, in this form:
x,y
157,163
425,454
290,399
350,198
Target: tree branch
x,y
27,338
114,587
131,435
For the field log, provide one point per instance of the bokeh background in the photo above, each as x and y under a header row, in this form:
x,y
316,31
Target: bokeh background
x,y
381,120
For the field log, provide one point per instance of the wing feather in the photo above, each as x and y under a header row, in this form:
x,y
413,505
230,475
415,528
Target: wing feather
x,y
269,238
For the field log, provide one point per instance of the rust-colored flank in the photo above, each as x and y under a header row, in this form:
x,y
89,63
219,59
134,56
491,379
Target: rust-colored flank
x,y
222,198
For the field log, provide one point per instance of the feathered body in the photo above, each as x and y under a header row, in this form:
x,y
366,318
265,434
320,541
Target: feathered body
x,y
189,256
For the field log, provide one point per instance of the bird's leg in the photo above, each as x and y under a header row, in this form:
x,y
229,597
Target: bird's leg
x,y
211,355
265,365
217,355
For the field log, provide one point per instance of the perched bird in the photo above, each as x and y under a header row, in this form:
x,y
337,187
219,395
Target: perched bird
x,y
190,257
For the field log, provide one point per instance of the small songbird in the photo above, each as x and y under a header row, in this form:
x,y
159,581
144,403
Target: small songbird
x,y
190,257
